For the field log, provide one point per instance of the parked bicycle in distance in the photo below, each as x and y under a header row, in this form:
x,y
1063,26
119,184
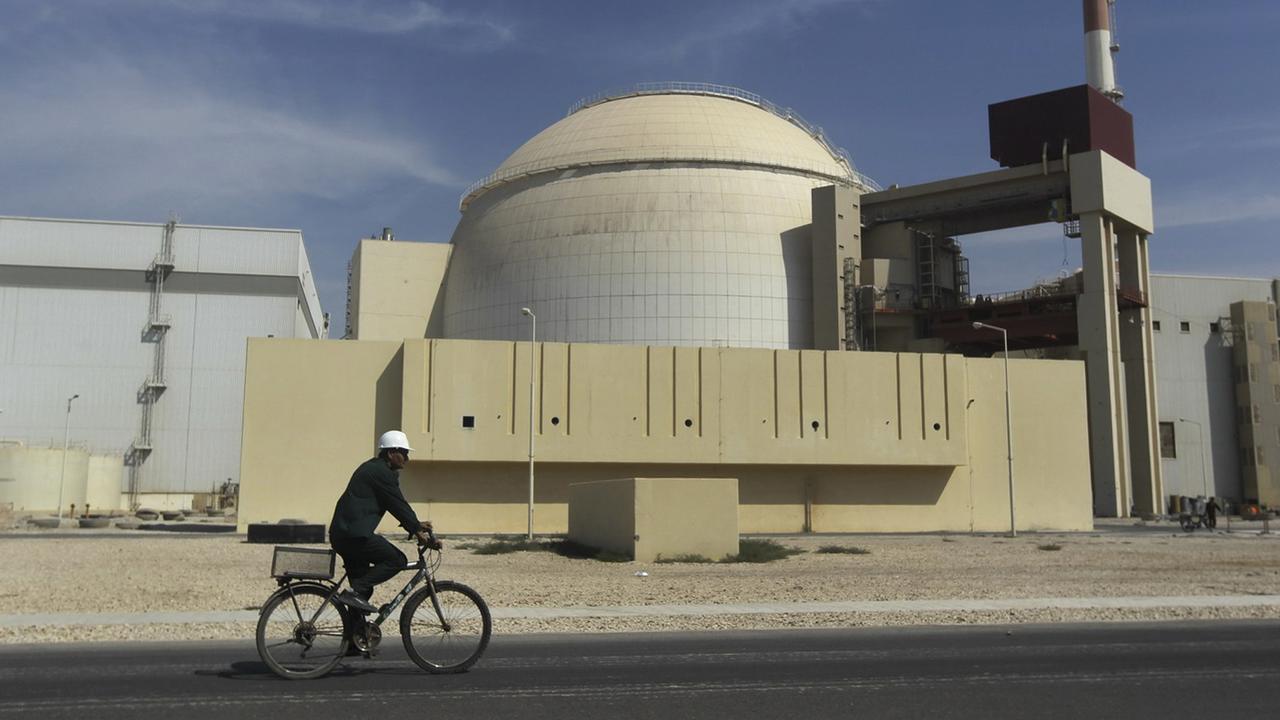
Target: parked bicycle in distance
x,y
304,632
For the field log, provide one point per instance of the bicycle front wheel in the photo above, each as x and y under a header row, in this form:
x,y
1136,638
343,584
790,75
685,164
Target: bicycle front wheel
x,y
451,640
302,633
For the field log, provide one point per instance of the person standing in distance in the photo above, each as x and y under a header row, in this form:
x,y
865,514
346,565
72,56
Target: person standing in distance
x,y
374,490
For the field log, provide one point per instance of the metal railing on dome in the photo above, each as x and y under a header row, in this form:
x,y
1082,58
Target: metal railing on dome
x,y
695,88
842,156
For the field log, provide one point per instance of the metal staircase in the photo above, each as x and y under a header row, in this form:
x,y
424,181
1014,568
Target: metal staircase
x,y
927,267
154,331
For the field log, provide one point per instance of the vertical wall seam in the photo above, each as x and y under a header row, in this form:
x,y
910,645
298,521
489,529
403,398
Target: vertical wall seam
x,y
946,398
675,396
515,357
800,390
826,396
648,391
897,375
568,388
542,386
775,394
924,417
700,418
424,383
430,384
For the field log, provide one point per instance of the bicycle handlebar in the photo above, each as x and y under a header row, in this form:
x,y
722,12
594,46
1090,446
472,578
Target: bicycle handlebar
x,y
432,543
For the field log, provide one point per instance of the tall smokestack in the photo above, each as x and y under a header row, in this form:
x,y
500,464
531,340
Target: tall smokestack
x,y
1099,66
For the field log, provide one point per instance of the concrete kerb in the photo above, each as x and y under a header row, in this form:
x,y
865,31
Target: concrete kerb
x,y
544,613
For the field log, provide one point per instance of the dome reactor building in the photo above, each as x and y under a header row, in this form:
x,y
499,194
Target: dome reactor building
x,y
695,262
666,215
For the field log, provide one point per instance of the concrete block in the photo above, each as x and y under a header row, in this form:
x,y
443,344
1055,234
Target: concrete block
x,y
649,518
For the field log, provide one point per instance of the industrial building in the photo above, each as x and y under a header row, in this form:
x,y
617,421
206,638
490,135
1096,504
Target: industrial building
x,y
144,325
1218,370
707,277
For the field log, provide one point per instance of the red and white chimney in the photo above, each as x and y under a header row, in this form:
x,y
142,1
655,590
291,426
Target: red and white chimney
x,y
1099,45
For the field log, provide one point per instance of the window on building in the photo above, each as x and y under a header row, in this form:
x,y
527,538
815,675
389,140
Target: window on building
x,y
1215,328
1259,457
1184,326
1155,325
1168,441
1257,415
1276,388
1275,353
1253,372
1248,330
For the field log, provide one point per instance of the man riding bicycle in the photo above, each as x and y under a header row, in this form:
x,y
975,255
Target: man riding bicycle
x,y
374,490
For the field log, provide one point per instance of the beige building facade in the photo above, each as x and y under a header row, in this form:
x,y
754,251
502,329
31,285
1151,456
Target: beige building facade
x,y
820,441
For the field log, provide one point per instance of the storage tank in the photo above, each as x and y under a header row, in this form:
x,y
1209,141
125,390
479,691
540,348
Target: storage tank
x,y
30,478
671,214
104,485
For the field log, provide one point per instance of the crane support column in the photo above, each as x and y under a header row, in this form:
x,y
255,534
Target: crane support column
x,y
1112,199
1099,332
1139,374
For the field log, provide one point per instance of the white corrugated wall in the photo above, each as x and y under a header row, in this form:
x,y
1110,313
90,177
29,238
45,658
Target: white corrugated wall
x,y
60,341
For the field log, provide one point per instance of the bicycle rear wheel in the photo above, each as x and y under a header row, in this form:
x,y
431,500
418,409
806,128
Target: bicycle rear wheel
x,y
302,633
451,646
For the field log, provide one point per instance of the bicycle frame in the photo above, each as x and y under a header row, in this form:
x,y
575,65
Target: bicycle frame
x,y
423,574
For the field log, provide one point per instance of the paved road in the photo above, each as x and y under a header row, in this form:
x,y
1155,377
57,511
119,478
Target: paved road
x,y
1061,671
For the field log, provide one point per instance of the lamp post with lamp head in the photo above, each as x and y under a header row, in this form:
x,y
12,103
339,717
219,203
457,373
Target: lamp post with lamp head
x,y
66,433
533,339
1008,419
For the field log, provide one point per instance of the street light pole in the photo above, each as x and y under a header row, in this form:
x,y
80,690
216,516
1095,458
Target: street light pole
x,y
66,433
533,339
1204,472
1008,419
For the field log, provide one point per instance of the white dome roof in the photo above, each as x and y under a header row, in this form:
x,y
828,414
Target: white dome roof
x,y
677,123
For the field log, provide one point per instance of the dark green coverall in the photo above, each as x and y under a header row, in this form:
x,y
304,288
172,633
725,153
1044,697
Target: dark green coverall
x,y
370,559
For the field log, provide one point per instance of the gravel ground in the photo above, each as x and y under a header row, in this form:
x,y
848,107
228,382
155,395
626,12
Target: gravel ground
x,y
126,573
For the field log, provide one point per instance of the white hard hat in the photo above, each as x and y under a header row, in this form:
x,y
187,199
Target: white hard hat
x,y
393,439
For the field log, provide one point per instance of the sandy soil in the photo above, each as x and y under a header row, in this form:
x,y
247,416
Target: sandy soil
x,y
68,574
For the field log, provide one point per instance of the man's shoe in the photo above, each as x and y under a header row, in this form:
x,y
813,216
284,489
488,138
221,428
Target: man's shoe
x,y
355,602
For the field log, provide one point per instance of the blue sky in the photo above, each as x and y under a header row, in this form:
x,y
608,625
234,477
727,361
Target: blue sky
x,y
340,117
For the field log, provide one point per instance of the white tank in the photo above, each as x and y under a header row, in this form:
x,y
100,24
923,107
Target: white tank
x,y
104,483
665,215
30,478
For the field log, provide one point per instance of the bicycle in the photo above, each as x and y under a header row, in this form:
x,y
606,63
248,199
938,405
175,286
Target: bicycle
x,y
304,632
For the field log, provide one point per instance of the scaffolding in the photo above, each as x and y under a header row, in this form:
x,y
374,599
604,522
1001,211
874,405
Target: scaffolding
x,y
154,331
851,320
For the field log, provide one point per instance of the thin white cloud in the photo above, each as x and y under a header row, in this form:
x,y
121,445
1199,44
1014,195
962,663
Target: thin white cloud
x,y
371,17
365,16
1217,209
741,20
106,135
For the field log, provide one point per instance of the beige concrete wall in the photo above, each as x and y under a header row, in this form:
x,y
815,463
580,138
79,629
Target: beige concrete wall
x,y
632,404
903,441
311,414
396,289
